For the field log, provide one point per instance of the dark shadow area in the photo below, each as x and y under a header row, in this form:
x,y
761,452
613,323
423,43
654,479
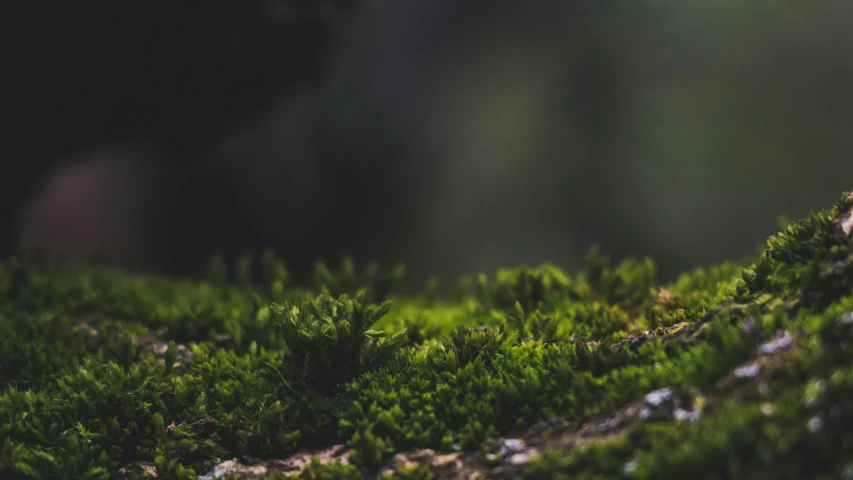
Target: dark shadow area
x,y
455,137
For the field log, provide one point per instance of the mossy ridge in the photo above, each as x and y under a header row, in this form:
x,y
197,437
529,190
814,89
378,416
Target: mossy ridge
x,y
811,260
261,402
794,422
780,304
94,371
798,427
242,393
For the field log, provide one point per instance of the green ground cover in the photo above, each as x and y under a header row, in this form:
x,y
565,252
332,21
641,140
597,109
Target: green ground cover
x,y
742,370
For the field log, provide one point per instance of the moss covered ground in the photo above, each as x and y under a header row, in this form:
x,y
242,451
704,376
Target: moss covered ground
x,y
741,370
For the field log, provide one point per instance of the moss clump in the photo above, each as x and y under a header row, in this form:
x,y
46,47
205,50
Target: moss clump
x,y
810,260
328,342
104,372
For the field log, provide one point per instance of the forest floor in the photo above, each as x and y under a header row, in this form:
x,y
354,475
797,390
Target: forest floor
x,y
741,370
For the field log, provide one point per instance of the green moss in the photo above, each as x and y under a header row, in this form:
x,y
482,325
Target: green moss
x,y
102,370
795,426
811,259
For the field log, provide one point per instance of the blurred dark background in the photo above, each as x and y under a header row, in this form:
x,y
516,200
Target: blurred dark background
x,y
456,137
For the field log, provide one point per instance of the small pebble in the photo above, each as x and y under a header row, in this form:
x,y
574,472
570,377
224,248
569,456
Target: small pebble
x,y
224,468
657,397
748,371
609,424
637,342
783,341
523,457
815,423
511,446
749,324
422,454
687,415
444,460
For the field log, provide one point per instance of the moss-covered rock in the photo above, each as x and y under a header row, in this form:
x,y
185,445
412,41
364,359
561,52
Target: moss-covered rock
x,y
733,371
